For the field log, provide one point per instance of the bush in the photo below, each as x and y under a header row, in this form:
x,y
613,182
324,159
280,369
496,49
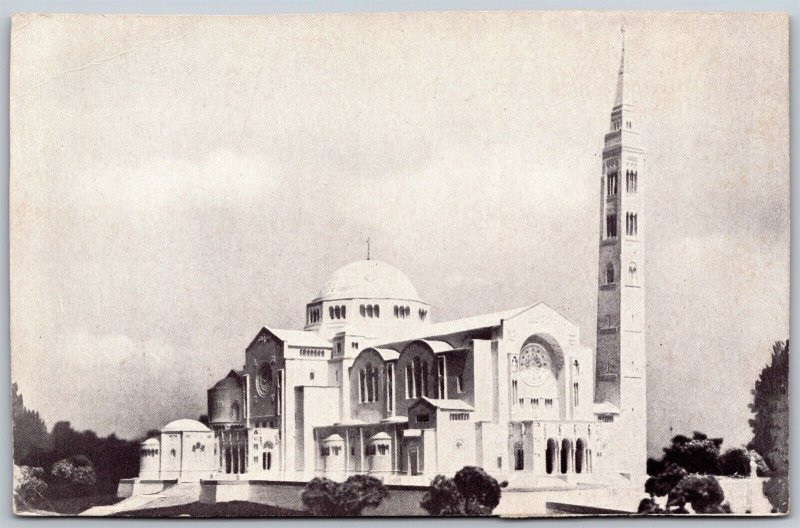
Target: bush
x,y
480,490
703,492
735,462
471,492
698,454
323,497
649,507
29,487
72,477
662,484
443,498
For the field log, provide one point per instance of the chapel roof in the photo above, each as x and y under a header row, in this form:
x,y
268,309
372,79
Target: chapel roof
x,y
450,405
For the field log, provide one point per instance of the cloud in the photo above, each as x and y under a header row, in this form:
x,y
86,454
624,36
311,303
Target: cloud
x,y
110,383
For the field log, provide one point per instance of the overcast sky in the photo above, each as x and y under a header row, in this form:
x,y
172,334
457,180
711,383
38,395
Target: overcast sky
x,y
179,183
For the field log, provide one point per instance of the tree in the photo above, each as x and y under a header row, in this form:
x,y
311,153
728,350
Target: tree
x,y
480,490
30,432
702,492
29,487
152,433
663,483
771,388
359,492
698,454
655,466
324,497
770,424
471,491
443,498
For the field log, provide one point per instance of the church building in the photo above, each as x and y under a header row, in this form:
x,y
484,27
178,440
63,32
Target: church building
x,y
373,385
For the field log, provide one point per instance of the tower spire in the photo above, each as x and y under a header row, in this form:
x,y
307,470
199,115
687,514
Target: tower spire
x,y
621,99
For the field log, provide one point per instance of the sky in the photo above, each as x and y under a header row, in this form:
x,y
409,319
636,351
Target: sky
x,y
176,184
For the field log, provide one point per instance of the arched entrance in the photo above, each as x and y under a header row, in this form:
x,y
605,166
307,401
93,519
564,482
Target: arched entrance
x,y
550,455
519,456
580,456
566,455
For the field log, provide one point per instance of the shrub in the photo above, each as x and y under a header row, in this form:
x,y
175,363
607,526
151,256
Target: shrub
x,y
471,491
662,484
480,490
698,454
73,476
29,486
649,506
735,462
703,492
324,497
442,498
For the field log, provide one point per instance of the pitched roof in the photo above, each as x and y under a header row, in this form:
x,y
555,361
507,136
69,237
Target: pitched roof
x,y
450,405
300,338
605,408
468,323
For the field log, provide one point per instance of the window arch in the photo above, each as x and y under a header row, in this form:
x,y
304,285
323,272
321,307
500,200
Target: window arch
x,y
363,310
337,312
330,311
609,273
632,271
377,310
369,310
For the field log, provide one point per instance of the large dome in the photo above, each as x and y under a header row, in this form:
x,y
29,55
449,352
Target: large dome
x,y
368,279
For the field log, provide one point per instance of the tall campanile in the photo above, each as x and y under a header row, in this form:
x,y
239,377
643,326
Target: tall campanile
x,y
621,354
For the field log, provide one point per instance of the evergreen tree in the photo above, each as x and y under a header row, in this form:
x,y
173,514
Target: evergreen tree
x,y
770,398
771,424
30,432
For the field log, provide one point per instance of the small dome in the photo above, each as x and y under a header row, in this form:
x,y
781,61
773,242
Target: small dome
x,y
368,279
229,383
151,441
185,425
334,438
380,436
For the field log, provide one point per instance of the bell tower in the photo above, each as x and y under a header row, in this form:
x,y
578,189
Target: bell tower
x,y
620,367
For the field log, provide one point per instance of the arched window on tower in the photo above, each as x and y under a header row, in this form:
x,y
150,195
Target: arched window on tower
x,y
337,312
369,310
330,310
632,272
344,312
611,225
609,273
363,310
377,311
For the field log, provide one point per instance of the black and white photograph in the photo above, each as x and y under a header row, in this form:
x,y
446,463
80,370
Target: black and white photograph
x,y
500,263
